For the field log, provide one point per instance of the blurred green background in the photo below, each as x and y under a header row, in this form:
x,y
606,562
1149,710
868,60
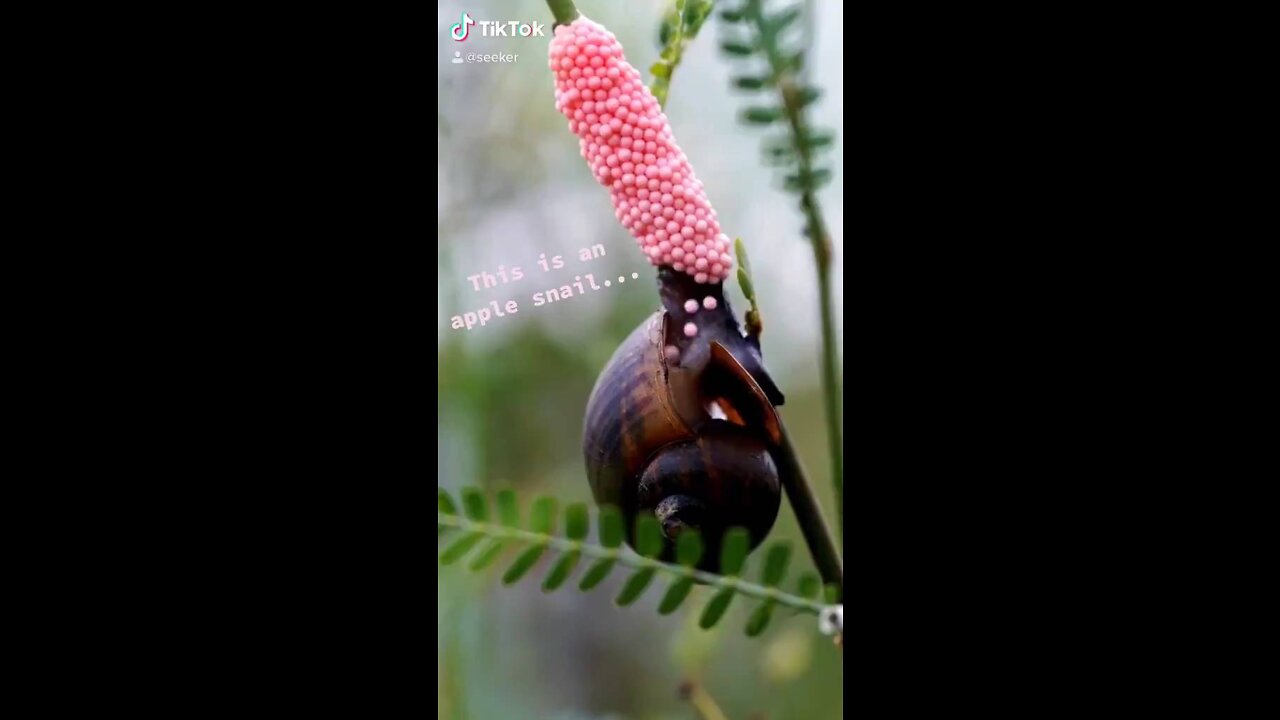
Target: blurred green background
x,y
511,394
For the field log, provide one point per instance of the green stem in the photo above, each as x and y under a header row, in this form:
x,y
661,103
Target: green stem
x,y
804,503
815,227
630,559
564,11
830,379
662,85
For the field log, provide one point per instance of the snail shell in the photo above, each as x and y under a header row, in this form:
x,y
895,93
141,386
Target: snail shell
x,y
688,442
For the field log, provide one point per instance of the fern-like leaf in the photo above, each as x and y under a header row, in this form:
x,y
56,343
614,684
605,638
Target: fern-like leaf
x,y
474,525
715,609
597,573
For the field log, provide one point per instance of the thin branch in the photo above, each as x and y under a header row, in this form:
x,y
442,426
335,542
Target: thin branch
x,y
793,101
564,11
701,700
809,514
630,559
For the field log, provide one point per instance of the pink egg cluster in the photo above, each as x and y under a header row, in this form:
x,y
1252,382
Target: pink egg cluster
x,y
627,140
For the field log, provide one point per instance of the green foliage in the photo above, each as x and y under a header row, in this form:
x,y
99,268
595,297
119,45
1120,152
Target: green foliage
x,y
759,618
679,26
561,571
715,609
508,510
459,547
472,526
524,562
542,518
688,549
733,551
610,527
676,594
576,523
754,323
775,564
808,585
635,586
485,557
598,572
648,536
756,35
761,115
474,505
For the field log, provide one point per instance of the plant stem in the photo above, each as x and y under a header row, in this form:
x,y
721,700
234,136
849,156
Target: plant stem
x,y
701,701
809,514
564,11
793,102
830,380
630,559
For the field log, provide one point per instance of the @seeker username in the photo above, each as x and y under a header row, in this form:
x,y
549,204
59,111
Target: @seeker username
x,y
492,57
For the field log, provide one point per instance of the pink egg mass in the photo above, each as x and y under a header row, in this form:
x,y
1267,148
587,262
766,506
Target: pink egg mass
x,y
627,141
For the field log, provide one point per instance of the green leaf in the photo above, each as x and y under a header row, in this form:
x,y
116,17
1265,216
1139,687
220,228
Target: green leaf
x,y
542,518
761,115
775,563
635,587
779,146
676,594
808,585
576,523
807,180
740,249
445,503
808,95
460,546
508,509
596,573
795,63
665,31
714,610
561,571
779,157
818,139
524,561
747,288
487,555
660,69
749,83
688,548
759,619
779,22
736,48
695,15
831,592
732,16
733,553
648,536
610,526
474,505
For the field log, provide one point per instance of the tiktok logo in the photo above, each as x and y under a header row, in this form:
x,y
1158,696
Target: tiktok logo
x,y
496,28
460,30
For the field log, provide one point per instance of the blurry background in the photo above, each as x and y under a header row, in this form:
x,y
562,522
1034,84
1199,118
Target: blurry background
x,y
511,394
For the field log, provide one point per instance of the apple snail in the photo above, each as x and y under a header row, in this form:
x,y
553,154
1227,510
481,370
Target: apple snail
x,y
682,421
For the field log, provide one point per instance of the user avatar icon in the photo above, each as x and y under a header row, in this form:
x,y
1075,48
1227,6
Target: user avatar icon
x,y
457,58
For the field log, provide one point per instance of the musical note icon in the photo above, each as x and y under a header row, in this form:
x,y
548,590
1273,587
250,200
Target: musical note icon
x,y
460,30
